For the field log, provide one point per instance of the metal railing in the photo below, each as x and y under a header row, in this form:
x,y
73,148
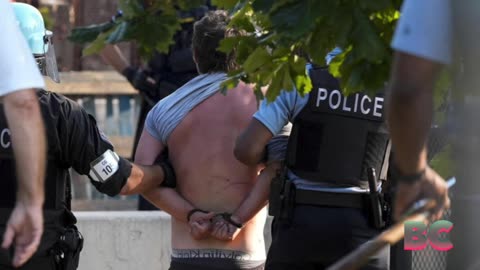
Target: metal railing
x,y
114,104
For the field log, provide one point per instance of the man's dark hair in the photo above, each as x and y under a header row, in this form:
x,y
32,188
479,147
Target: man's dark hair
x,y
207,34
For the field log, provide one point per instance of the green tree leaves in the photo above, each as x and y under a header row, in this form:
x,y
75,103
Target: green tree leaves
x,y
151,24
289,32
281,36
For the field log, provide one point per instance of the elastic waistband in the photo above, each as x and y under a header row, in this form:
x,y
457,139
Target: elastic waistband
x,y
210,254
215,263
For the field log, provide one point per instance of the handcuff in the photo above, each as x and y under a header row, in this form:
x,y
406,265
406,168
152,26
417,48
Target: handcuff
x,y
225,216
193,211
228,218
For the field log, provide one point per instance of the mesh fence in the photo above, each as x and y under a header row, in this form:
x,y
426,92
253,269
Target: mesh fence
x,y
429,258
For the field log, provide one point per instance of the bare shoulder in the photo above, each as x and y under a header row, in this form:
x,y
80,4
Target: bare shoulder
x,y
242,93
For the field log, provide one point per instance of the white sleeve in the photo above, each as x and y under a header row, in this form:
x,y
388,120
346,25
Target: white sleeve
x,y
425,30
18,69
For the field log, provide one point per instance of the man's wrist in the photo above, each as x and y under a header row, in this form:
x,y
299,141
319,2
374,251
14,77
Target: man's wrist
x,y
238,220
30,198
235,221
30,202
193,211
409,178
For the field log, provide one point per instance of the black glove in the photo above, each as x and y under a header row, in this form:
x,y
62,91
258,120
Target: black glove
x,y
170,179
143,82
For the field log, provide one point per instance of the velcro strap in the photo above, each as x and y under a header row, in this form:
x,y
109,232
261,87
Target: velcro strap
x,y
320,198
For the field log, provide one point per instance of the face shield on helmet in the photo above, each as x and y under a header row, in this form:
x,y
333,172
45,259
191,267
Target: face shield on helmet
x,y
47,62
31,24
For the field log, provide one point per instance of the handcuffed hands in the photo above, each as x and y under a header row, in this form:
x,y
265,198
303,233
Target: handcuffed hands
x,y
221,226
200,224
224,229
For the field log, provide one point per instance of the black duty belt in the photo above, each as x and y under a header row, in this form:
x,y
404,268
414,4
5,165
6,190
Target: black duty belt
x,y
331,199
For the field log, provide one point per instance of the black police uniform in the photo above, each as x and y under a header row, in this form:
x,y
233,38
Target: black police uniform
x,y
74,141
334,141
169,72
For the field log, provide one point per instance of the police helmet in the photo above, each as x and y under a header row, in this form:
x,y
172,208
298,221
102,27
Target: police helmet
x,y
32,26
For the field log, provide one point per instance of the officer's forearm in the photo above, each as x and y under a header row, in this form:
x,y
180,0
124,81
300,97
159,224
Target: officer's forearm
x,y
258,197
247,152
410,110
409,120
29,144
112,55
142,179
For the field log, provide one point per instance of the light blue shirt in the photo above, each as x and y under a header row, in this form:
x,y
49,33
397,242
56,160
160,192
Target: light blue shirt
x,y
275,115
425,30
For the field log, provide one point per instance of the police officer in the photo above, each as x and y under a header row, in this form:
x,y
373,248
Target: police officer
x,y
74,141
419,58
164,73
324,209
17,91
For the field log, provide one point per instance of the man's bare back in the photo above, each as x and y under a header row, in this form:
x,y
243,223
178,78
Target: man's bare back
x,y
208,174
200,126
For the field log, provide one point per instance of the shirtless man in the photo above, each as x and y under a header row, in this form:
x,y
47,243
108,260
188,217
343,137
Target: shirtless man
x,y
199,125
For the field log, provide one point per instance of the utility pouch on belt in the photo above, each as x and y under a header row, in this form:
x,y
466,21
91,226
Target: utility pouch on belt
x,y
276,193
375,202
67,250
282,196
288,202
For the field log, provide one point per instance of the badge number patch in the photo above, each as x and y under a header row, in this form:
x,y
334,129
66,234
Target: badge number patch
x,y
104,166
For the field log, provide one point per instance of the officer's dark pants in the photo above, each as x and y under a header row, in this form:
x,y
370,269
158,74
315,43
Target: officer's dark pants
x,y
44,258
316,237
35,263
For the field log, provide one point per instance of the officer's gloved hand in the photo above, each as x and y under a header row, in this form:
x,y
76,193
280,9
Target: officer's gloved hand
x,y
142,81
169,179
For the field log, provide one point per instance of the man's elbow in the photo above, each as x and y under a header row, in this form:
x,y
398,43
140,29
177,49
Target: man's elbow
x,y
247,155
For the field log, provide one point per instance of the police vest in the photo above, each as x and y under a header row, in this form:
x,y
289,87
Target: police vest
x,y
335,138
57,174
